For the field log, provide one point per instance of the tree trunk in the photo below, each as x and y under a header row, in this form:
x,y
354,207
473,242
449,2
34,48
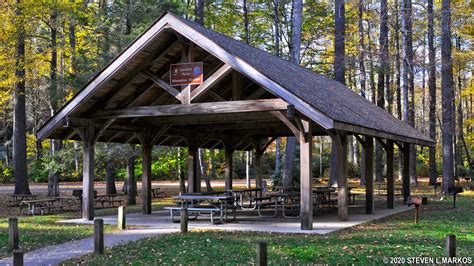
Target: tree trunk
x,y
382,73
339,43
459,118
339,71
181,174
371,62
54,95
363,77
433,173
447,96
202,165
295,47
246,22
276,20
110,178
408,80
398,78
199,12
131,181
19,120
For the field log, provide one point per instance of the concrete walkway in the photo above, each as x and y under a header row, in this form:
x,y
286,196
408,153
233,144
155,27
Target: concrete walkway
x,y
53,255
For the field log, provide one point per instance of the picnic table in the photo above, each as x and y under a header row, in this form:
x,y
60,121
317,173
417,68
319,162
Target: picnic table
x,y
323,196
41,204
280,201
111,199
215,204
16,199
248,194
156,192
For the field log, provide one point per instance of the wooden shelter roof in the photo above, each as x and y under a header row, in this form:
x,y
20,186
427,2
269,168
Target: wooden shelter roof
x,y
132,95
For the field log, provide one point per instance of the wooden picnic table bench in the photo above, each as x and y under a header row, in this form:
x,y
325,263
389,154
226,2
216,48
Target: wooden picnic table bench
x,y
41,205
246,198
216,204
279,201
110,199
157,193
71,202
16,199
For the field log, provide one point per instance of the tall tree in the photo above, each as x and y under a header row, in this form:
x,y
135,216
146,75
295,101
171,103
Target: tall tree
x,y
276,29
432,92
398,75
291,142
382,74
199,12
447,96
408,80
363,76
246,22
19,121
339,70
55,98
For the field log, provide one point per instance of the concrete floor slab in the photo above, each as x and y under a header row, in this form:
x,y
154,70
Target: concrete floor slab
x,y
324,223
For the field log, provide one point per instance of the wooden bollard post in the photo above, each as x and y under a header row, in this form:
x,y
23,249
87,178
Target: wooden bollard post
x,y
13,234
99,236
417,213
17,257
450,250
121,222
184,220
262,253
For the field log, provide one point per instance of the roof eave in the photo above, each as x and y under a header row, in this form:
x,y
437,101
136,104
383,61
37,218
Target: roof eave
x,y
382,134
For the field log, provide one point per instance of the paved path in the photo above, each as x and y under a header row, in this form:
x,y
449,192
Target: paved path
x,y
53,255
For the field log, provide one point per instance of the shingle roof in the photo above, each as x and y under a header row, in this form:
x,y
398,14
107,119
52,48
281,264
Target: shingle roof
x,y
324,94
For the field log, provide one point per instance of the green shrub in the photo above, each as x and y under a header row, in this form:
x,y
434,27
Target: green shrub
x,y
6,175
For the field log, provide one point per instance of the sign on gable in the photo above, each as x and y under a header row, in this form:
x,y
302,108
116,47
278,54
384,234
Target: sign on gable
x,y
186,74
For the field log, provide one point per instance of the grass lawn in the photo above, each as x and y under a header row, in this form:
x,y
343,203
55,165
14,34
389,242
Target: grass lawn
x,y
40,231
365,244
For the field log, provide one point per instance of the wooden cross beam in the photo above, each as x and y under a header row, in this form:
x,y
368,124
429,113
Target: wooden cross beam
x,y
210,81
163,84
209,108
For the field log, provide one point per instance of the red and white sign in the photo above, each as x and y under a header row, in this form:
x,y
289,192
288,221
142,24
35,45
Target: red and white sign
x,y
186,74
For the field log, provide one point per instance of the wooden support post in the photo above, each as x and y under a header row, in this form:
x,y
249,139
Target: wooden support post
x,y
99,236
369,174
121,219
306,176
184,220
146,177
18,257
406,172
258,170
390,175
13,243
342,193
194,179
262,253
237,86
229,153
88,147
417,213
450,250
